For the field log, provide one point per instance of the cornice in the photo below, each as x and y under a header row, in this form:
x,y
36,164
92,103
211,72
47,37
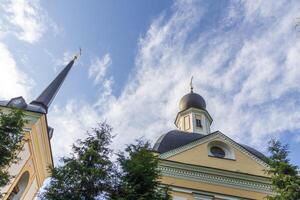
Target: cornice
x,y
216,176
216,171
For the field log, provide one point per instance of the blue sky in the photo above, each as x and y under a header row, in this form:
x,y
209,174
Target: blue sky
x,y
138,57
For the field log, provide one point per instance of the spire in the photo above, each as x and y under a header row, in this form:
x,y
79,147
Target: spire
x,y
47,96
191,84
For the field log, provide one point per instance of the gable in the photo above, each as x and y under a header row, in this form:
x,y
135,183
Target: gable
x,y
198,153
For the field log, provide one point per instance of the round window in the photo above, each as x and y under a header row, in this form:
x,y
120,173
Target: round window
x,y
217,152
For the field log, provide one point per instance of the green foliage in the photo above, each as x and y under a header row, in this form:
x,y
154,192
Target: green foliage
x,y
285,177
11,135
139,176
87,173
90,173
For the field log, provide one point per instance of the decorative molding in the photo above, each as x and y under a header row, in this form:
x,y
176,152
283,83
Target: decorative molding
x,y
210,170
208,138
216,176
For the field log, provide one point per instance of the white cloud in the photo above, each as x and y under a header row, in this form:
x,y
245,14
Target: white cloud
x,y
27,20
13,82
70,123
98,68
245,67
244,62
73,120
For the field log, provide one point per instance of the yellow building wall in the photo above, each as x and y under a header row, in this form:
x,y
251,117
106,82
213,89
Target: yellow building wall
x,y
199,156
37,161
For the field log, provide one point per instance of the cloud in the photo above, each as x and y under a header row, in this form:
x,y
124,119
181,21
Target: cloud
x,y
77,117
244,63
98,68
13,81
70,123
27,20
244,59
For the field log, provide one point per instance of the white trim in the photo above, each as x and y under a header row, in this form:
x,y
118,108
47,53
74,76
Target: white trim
x,y
209,138
216,180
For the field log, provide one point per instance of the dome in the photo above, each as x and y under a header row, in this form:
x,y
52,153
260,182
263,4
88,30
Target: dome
x,y
175,139
192,100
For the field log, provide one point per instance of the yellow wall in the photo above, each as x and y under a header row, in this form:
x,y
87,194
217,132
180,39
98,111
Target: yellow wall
x,y
39,159
199,156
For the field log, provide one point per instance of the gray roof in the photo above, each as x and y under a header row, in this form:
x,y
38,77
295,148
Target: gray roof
x,y
175,138
47,96
42,103
19,102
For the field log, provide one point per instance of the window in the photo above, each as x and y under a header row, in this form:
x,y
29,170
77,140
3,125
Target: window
x,y
20,187
198,123
220,149
187,122
217,152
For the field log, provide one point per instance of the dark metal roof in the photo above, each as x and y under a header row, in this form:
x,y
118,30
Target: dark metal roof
x,y
47,96
19,102
175,138
192,100
254,152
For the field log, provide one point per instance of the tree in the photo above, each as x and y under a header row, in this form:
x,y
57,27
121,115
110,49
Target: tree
x,y
89,173
285,176
11,135
85,175
139,176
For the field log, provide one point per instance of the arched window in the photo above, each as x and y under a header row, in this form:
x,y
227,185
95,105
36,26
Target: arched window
x,y
20,187
220,149
217,152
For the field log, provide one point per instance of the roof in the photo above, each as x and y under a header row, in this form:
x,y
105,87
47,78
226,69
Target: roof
x,y
254,152
19,102
192,100
175,139
47,96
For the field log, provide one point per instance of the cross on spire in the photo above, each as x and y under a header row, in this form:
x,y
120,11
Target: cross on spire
x,y
191,84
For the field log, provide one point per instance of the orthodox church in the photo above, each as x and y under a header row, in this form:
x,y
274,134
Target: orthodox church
x,y
36,157
202,165
195,163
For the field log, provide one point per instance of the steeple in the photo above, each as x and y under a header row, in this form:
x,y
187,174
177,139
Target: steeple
x,y
47,96
193,116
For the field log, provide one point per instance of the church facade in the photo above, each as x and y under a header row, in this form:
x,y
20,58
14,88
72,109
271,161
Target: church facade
x,y
30,172
198,164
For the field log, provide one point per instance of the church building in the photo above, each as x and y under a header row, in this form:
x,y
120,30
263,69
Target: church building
x,y
30,172
198,164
